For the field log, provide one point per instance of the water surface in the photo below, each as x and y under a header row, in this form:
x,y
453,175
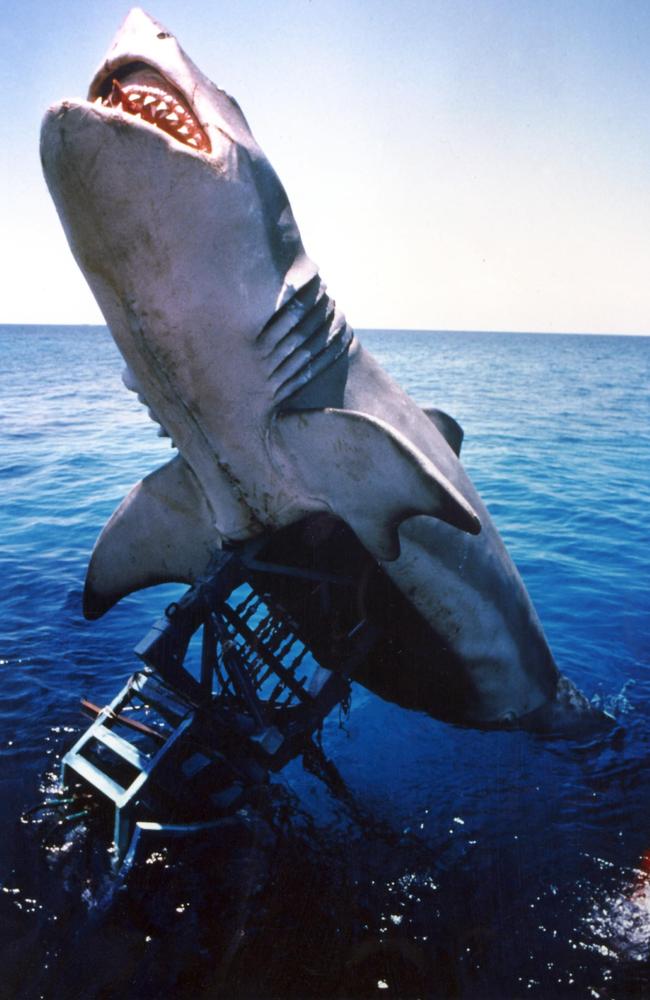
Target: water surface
x,y
459,863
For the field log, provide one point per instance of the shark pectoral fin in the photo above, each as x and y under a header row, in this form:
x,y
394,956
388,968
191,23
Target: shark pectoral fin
x,y
451,431
370,475
162,532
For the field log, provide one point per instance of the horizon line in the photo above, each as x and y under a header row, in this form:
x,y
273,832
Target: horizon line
x,y
389,329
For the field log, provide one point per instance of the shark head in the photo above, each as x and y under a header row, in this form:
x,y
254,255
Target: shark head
x,y
171,209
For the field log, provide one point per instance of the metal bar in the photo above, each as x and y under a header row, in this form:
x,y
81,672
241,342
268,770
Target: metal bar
x,y
95,777
112,709
283,649
121,747
295,663
240,678
164,648
258,565
171,705
143,827
266,654
171,739
134,724
249,606
267,624
208,655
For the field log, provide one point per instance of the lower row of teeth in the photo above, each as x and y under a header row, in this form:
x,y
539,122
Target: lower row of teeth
x,y
159,108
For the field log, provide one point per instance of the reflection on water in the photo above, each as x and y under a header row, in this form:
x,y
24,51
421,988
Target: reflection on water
x,y
619,921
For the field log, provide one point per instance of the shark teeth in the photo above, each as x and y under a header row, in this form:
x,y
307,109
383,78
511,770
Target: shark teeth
x,y
155,105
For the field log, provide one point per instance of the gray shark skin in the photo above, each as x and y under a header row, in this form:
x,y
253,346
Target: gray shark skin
x,y
187,239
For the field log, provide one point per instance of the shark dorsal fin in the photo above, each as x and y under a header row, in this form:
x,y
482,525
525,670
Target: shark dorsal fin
x,y
450,429
162,532
370,475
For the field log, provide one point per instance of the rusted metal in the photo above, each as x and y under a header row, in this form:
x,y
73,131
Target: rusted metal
x,y
139,727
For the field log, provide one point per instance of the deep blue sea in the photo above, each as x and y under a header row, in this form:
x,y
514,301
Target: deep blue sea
x,y
460,863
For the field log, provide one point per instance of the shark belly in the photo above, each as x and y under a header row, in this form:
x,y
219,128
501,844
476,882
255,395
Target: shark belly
x,y
466,587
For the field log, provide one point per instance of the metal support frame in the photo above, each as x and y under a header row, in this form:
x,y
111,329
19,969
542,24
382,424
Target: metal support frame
x,y
259,696
123,797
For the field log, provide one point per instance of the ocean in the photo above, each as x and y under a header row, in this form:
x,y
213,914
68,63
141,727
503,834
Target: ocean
x,y
458,863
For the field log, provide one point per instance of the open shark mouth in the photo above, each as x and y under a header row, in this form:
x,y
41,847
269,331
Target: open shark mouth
x,y
141,91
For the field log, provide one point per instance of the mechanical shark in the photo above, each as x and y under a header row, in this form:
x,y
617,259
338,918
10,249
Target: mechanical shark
x,y
188,242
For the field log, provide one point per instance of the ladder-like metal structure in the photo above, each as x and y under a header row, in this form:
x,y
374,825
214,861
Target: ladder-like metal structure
x,y
116,758
209,715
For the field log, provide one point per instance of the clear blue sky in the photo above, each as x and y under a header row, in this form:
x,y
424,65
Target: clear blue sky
x,y
459,164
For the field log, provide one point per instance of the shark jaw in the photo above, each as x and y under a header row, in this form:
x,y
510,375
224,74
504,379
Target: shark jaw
x,y
146,74
142,92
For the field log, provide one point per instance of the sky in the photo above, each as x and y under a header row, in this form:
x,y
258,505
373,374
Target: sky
x,y
452,164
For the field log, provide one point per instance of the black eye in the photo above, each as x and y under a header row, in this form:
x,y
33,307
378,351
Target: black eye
x,y
162,34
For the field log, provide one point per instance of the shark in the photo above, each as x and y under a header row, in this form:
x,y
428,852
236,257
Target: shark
x,y
187,239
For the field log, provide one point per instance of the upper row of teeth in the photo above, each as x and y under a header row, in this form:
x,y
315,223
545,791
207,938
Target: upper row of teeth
x,y
165,110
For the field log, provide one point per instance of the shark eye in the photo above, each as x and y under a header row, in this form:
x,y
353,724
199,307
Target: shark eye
x,y
143,92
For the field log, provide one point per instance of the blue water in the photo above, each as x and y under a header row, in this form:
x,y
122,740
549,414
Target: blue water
x,y
461,864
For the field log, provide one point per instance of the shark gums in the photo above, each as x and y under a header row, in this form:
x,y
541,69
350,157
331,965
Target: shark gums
x,y
188,242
